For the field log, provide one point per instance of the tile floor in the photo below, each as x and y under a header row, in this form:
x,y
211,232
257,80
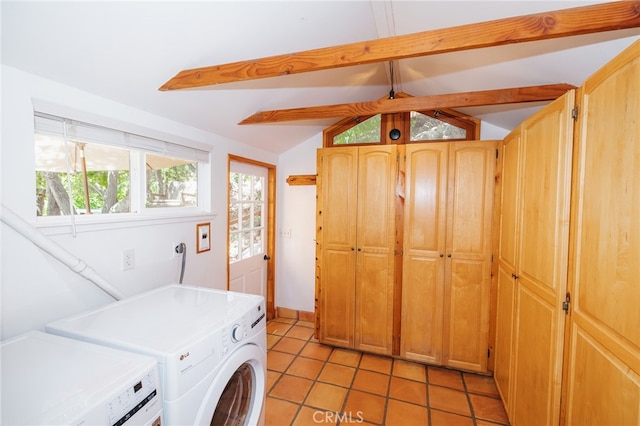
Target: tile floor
x,y
311,384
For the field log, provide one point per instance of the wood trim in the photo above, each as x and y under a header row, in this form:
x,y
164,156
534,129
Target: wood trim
x,y
539,26
385,105
301,180
271,226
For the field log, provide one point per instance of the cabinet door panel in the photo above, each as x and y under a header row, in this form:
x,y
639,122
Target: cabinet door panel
x,y
468,330
424,244
422,309
504,334
375,241
604,353
338,297
509,203
542,262
468,249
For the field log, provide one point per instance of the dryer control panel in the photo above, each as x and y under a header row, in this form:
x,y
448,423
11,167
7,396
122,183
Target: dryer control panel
x,y
132,400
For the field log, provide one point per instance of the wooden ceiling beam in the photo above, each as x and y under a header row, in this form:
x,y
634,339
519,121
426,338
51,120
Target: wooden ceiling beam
x,y
540,26
424,103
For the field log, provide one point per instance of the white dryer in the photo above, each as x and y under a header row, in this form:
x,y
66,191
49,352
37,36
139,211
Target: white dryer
x,y
52,380
210,346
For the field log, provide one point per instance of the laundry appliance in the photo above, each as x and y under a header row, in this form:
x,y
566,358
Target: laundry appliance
x,y
210,346
53,380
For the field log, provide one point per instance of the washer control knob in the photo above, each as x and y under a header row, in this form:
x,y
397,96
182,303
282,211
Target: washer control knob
x,y
237,333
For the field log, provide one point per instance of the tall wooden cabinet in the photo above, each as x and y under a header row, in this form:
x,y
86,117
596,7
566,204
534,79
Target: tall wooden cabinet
x,y
602,379
448,200
356,240
568,323
532,263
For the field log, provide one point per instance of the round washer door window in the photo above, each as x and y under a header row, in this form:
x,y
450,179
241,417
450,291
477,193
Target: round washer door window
x,y
235,401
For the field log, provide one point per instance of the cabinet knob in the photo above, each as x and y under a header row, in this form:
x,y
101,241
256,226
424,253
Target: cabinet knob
x,y
359,248
441,255
449,255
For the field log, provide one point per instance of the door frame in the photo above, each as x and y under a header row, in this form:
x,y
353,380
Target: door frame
x,y
271,227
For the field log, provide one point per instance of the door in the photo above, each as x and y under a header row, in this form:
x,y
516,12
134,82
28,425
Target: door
x,y
248,228
375,242
468,254
603,359
424,246
507,260
337,211
541,269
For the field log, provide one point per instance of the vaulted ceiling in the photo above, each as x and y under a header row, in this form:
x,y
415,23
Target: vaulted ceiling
x,y
126,51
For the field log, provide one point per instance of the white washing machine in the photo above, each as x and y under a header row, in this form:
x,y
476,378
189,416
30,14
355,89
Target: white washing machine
x,y
52,380
210,346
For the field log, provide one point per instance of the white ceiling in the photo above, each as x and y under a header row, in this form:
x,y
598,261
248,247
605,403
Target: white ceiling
x,y
125,51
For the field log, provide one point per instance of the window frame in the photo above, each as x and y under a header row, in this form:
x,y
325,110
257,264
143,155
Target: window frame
x,y
137,174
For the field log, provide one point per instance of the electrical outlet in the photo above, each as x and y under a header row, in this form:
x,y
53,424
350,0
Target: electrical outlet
x,y
128,259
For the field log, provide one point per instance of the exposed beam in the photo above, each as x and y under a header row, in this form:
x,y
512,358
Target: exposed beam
x,y
400,104
540,26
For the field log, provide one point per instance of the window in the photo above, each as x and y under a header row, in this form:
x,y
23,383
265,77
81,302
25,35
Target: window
x,y
367,131
439,125
246,216
83,169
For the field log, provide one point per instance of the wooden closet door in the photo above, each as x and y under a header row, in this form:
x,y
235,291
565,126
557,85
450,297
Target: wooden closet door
x,y
337,219
542,262
509,165
375,237
603,374
468,254
424,251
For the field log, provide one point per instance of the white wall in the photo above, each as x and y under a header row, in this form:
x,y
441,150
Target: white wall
x,y
295,272
34,287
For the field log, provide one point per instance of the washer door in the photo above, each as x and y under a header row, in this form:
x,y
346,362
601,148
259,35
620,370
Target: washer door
x,y
236,394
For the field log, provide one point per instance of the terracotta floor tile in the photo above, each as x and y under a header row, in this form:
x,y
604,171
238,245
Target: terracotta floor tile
x,y
408,391
365,405
300,332
345,357
279,412
450,400
337,374
305,367
291,388
309,383
409,370
308,416
278,328
326,397
483,385
442,418
444,377
272,377
316,351
289,345
370,381
488,408
278,361
405,414
272,339
381,364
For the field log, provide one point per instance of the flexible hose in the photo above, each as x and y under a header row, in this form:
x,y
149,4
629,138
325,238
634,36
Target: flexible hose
x,y
182,248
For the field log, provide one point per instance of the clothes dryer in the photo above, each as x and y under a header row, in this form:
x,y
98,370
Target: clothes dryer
x,y
52,380
210,346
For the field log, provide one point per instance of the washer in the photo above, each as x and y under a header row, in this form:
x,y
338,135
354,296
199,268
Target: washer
x,y
210,346
52,380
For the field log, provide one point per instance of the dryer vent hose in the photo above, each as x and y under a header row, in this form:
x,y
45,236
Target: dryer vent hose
x,y
182,249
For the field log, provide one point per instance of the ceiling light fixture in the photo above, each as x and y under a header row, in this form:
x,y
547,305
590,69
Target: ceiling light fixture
x,y
395,133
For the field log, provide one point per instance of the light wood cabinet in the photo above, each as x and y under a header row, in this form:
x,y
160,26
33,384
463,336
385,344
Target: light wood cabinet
x,y
356,239
536,179
602,380
448,200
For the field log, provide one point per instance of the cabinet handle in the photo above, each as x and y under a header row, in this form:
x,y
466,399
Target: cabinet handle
x,y
449,255
359,248
441,255
352,248
514,276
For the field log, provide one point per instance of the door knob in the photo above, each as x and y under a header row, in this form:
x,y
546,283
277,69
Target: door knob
x,y
266,257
